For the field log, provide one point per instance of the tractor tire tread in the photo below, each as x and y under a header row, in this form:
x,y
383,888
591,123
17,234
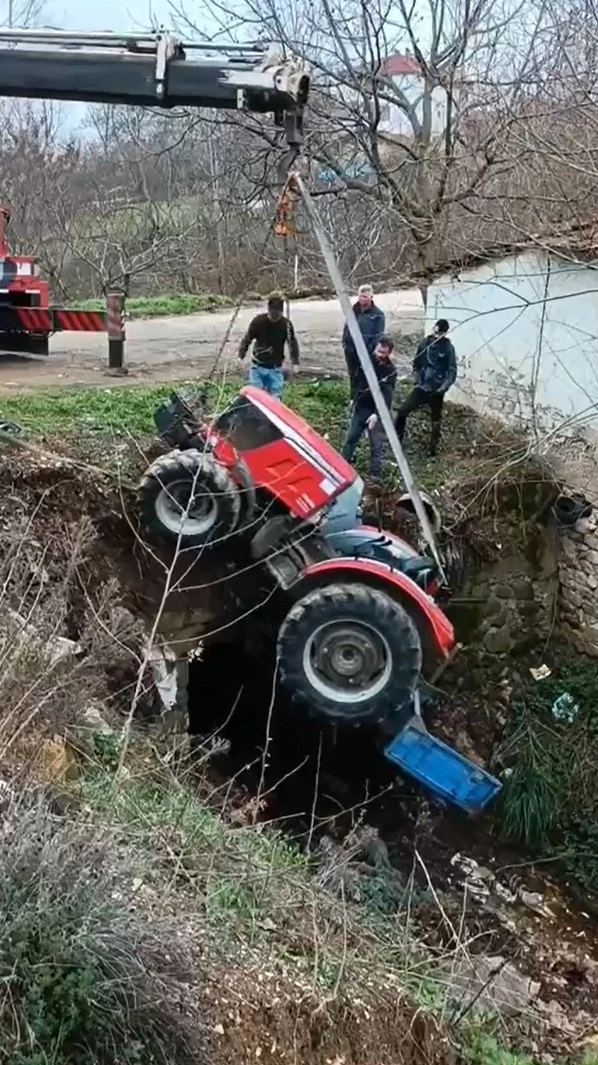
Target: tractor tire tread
x,y
189,463
365,602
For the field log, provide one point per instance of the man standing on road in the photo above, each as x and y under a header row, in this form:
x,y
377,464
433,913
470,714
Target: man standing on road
x,y
364,411
434,371
372,324
269,333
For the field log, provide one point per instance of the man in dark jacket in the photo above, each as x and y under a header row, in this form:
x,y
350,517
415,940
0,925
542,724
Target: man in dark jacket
x,y
372,324
364,411
434,371
269,333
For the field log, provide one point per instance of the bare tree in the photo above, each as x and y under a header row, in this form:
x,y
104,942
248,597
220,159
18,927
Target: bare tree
x,y
413,108
20,13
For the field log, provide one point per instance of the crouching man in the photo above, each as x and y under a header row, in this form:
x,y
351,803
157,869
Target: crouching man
x,y
364,417
270,333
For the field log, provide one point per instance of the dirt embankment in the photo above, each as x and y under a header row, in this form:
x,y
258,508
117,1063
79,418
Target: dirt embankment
x,y
72,557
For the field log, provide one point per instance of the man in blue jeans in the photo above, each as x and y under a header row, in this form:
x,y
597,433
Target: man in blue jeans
x,y
364,411
269,333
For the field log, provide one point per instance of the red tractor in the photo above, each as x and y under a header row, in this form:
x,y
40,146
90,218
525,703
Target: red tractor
x,y
354,616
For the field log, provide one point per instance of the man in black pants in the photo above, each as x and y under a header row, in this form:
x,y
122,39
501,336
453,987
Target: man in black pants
x,y
364,417
434,371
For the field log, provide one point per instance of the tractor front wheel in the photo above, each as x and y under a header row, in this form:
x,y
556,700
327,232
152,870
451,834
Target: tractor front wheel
x,y
349,653
189,499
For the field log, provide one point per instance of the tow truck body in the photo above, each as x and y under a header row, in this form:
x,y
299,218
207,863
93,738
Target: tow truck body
x,y
143,70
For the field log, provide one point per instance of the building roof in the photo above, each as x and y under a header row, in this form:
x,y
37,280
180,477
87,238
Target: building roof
x,y
575,241
396,65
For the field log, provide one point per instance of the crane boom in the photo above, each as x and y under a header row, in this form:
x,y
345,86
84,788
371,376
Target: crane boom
x,y
154,71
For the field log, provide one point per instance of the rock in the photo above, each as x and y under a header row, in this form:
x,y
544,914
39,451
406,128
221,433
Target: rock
x,y
569,548
94,716
533,900
572,596
523,589
528,608
556,1016
493,982
496,610
504,591
498,641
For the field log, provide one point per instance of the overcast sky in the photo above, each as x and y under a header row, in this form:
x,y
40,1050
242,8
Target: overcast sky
x,y
106,14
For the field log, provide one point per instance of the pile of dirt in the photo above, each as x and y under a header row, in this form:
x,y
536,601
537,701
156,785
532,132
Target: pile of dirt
x,y
258,1015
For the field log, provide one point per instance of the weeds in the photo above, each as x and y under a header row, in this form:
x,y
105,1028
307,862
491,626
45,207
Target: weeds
x,y
163,306
484,1049
550,798
86,974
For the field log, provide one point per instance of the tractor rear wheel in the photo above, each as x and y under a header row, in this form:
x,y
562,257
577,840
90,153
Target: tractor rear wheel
x,y
188,498
349,653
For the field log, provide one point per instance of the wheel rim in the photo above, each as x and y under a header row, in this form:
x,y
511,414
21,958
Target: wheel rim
x,y
347,661
178,509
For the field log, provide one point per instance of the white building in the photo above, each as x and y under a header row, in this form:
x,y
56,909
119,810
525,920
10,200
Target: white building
x,y
404,72
525,327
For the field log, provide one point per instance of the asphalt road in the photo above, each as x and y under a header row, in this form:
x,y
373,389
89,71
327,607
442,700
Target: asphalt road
x,y
168,349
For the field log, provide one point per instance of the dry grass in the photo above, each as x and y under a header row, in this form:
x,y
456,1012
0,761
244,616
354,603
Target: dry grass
x,y
86,973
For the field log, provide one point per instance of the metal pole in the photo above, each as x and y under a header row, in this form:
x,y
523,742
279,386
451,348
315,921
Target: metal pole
x,y
368,369
10,13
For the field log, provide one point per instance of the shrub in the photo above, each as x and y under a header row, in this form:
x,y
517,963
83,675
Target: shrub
x,y
85,977
550,799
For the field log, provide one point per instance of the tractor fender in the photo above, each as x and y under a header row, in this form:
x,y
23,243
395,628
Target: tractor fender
x,y
435,629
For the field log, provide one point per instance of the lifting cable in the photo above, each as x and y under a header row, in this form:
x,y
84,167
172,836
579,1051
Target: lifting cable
x,y
298,187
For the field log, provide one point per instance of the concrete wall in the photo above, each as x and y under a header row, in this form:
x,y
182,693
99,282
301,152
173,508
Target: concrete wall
x,y
394,120
526,333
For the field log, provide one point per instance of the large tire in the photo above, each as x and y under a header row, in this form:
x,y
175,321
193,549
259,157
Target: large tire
x,y
164,495
349,653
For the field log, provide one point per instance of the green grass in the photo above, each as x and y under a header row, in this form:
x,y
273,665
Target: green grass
x,y
163,306
323,403
80,413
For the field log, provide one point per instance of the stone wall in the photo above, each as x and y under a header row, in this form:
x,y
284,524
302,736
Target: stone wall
x,y
553,595
511,601
578,592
